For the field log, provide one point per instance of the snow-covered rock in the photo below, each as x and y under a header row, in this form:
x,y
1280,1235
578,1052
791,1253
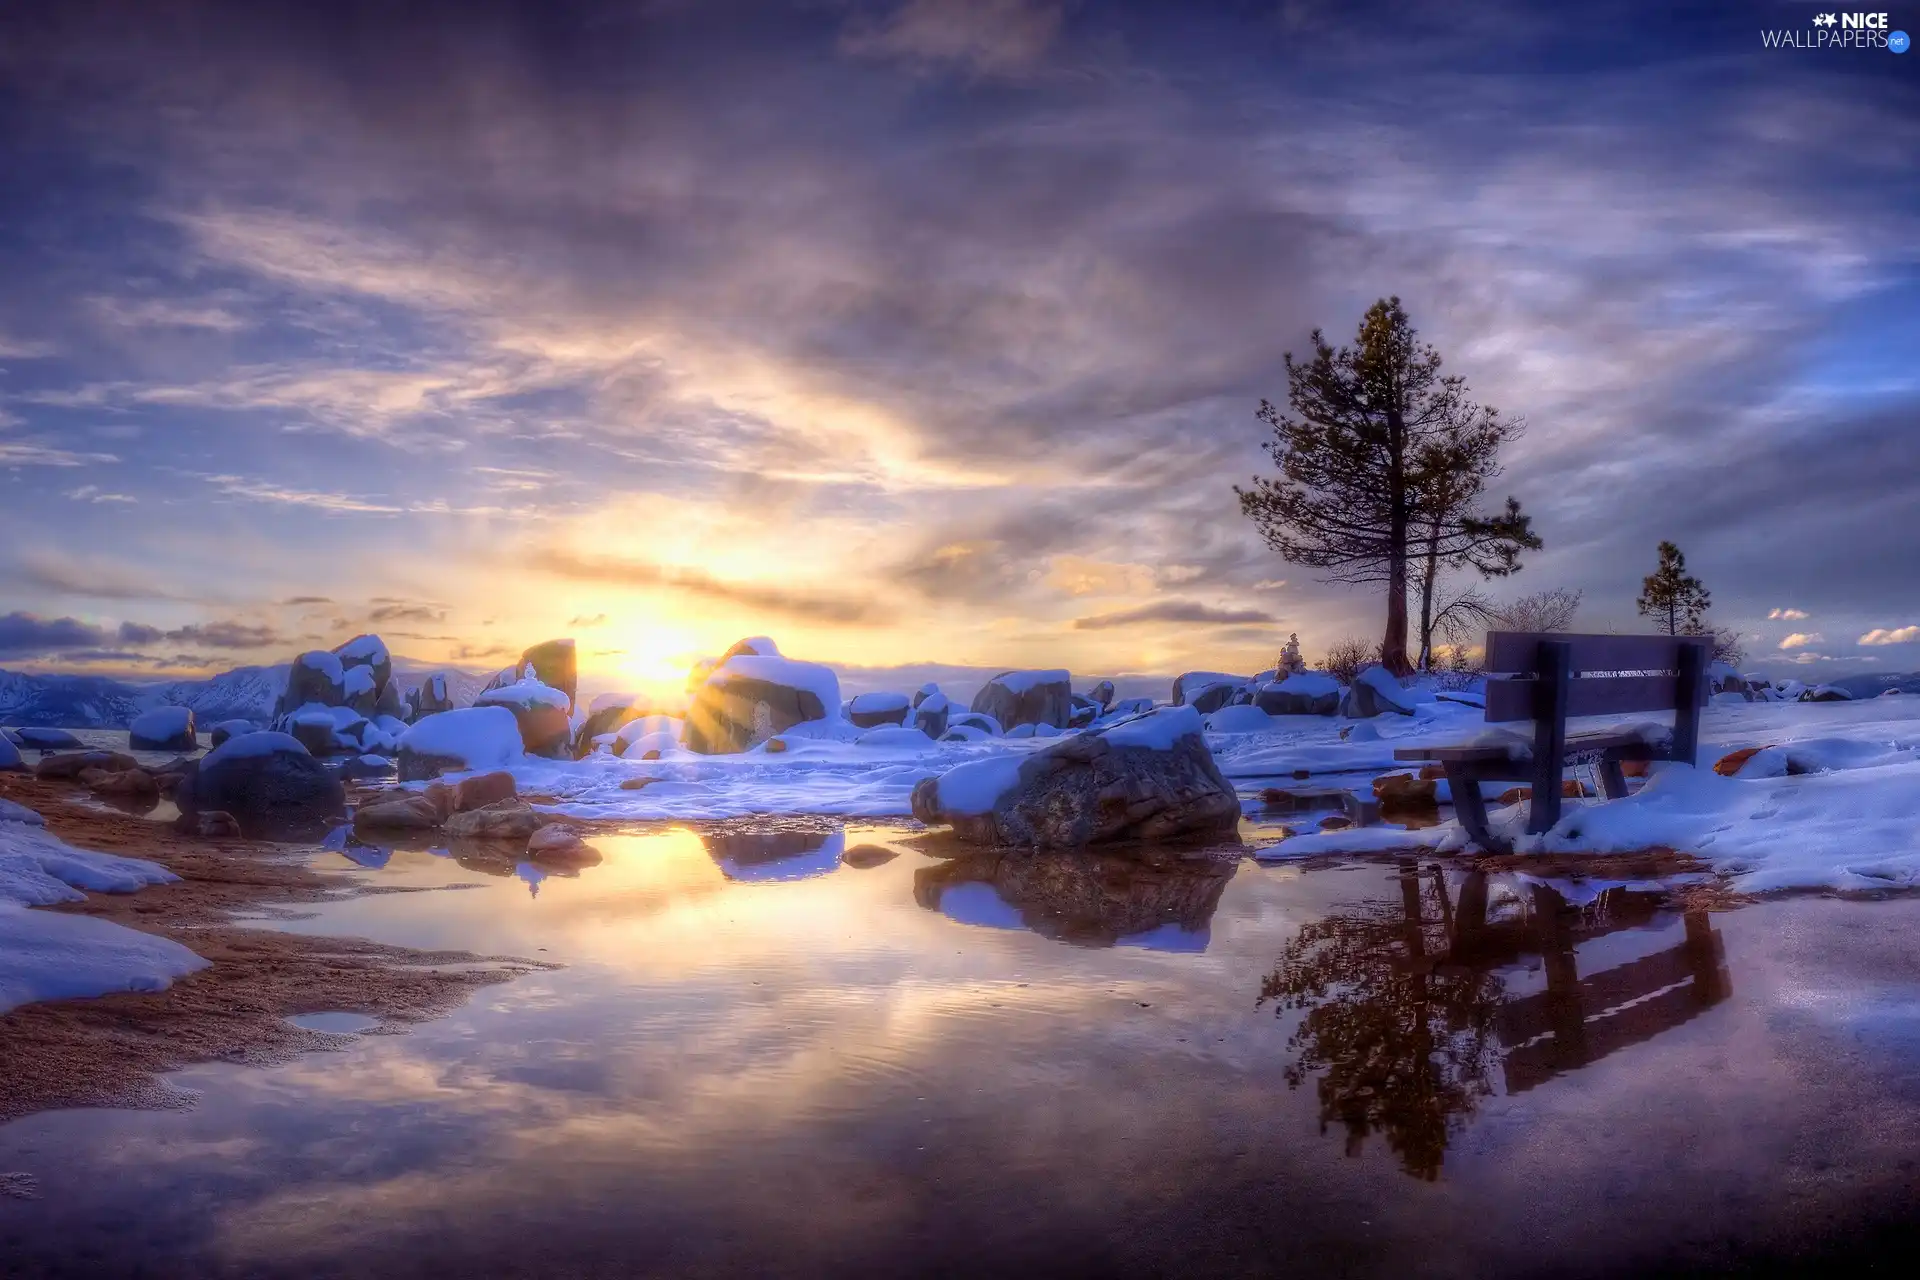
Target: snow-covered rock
x,y
931,710
1148,778
430,697
1027,697
556,665
926,691
1101,694
648,733
45,739
871,710
1826,693
1376,691
975,720
541,711
1205,691
1242,719
230,729
10,757
1305,693
163,729
316,676
470,738
751,696
261,779
360,689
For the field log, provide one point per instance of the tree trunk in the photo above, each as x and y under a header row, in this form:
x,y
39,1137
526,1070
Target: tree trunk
x,y
1429,577
1393,646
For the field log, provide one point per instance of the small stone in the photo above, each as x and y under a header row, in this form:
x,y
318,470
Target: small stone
x,y
864,857
652,753
1274,795
1729,765
1432,772
1404,791
776,745
1335,823
503,820
637,784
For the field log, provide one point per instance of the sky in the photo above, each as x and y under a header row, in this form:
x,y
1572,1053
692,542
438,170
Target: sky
x,y
921,332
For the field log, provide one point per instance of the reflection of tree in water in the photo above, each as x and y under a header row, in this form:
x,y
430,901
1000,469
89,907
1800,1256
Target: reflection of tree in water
x,y
1404,1046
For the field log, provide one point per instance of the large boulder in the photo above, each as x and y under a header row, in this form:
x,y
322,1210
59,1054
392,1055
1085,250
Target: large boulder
x,y
1205,691
931,711
230,729
457,741
1101,694
360,690
369,652
609,713
925,691
316,676
1147,778
44,739
262,779
752,696
1826,693
63,767
326,731
555,665
163,729
1306,693
1027,697
1376,691
541,712
10,757
431,698
871,710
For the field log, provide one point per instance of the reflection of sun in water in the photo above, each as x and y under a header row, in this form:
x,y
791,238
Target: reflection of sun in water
x,y
656,659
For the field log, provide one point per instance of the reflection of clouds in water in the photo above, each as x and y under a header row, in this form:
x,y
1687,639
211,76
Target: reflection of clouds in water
x,y
979,903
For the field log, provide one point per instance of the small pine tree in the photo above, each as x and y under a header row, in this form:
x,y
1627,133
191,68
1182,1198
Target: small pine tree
x,y
1290,660
1673,598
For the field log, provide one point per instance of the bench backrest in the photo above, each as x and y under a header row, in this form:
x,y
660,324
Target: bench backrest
x,y
1548,676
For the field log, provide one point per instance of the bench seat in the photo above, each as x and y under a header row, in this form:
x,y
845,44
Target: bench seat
x,y
1521,751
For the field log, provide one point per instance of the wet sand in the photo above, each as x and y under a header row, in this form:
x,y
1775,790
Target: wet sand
x,y
110,1051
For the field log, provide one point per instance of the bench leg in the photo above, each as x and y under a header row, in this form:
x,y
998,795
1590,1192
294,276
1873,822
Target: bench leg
x,y
1612,781
1471,808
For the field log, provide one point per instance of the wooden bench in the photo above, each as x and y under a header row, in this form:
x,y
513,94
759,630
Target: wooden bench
x,y
1546,677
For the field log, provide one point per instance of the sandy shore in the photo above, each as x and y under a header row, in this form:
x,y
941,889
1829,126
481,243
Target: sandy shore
x,y
111,1050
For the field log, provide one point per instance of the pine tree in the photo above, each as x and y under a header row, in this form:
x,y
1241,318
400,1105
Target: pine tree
x,y
1362,456
1673,598
1453,472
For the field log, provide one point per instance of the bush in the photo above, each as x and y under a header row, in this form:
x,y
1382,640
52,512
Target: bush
x,y
1347,658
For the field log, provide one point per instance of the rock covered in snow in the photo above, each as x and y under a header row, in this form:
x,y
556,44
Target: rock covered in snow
x,y
979,720
1375,692
541,712
261,778
752,646
555,665
71,766
1826,693
230,729
751,696
1027,697
931,710
431,698
1205,691
1147,778
316,678
1101,694
44,739
163,729
609,713
926,691
368,652
10,757
871,710
360,690
457,741
648,733
1308,693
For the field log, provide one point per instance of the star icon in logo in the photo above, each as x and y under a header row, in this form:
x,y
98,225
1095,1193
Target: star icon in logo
x,y
1824,20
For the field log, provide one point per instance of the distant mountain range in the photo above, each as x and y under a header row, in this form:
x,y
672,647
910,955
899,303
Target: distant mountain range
x,y
245,693
1874,685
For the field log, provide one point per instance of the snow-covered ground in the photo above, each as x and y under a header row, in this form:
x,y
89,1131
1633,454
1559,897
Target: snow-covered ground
x,y
1852,821
49,956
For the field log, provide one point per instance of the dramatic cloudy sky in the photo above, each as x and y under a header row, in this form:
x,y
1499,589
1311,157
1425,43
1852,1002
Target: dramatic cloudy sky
x,y
922,331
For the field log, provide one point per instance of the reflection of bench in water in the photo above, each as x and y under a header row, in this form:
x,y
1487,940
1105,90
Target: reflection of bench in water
x,y
1578,1020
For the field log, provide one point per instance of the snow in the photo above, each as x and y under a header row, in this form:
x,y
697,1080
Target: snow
x,y
12,812
1313,684
161,723
321,660
1830,691
9,754
46,956
1022,681
247,745
1241,719
1387,686
759,646
869,703
976,787
903,736
820,681
609,701
369,648
1192,682
526,692
649,733
934,703
482,737
1156,730
359,680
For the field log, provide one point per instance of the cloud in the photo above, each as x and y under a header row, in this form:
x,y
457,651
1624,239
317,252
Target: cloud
x,y
93,493
989,36
1811,657
23,634
1790,615
1899,635
213,635
302,600
466,653
583,621
59,574
1187,611
820,606
396,612
167,313
24,454
1799,641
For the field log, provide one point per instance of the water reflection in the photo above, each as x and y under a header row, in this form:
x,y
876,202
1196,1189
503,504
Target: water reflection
x,y
1407,1020
1087,899
760,856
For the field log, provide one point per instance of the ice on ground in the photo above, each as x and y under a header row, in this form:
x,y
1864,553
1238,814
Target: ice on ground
x,y
45,956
